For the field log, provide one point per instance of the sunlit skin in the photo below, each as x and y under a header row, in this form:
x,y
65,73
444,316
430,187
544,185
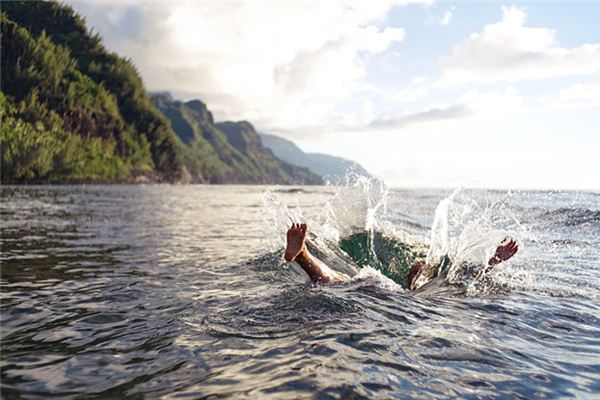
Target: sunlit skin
x,y
419,274
296,250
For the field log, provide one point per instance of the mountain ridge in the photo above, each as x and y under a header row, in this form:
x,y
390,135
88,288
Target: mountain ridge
x,y
333,169
225,152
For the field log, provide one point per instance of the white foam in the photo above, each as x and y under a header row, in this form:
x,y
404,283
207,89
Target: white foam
x,y
373,275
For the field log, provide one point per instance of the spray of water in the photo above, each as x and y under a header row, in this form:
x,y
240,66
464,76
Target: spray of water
x,y
467,227
335,213
440,236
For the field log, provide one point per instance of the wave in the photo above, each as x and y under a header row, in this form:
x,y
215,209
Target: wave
x,y
570,217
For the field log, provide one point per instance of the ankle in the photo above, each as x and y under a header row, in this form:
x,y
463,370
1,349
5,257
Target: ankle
x,y
303,252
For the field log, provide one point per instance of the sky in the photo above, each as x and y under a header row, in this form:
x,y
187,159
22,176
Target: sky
x,y
423,94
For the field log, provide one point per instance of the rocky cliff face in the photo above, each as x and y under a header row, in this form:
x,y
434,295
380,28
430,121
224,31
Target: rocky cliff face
x,y
225,152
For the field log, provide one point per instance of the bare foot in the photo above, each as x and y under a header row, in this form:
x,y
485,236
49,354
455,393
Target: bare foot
x,y
295,241
506,250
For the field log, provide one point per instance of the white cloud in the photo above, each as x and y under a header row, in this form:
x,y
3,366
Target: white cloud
x,y
278,64
430,115
577,96
416,89
492,104
509,51
473,104
447,17
582,92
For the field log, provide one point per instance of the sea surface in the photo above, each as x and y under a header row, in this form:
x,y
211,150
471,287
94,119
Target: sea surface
x,y
161,291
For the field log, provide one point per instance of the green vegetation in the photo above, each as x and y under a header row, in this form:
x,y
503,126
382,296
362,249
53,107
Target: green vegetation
x,y
74,112
41,151
225,152
71,110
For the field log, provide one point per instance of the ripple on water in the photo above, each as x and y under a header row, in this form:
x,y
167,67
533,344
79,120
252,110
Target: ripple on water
x,y
135,292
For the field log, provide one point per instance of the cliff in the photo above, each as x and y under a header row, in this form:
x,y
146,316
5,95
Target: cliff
x,y
226,152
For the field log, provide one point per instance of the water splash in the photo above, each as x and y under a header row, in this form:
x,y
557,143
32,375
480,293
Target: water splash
x,y
439,245
467,227
375,193
342,211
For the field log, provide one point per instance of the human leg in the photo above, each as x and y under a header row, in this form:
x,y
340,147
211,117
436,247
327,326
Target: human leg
x,y
296,250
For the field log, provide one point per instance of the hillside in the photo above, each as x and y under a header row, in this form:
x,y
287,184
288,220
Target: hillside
x,y
226,152
333,169
72,111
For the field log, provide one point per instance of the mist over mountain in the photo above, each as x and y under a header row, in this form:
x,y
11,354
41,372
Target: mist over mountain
x,y
335,170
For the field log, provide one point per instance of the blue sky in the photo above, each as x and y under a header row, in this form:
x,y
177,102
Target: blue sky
x,y
485,94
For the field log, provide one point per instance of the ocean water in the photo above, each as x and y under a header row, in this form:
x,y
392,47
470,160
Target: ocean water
x,y
182,292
